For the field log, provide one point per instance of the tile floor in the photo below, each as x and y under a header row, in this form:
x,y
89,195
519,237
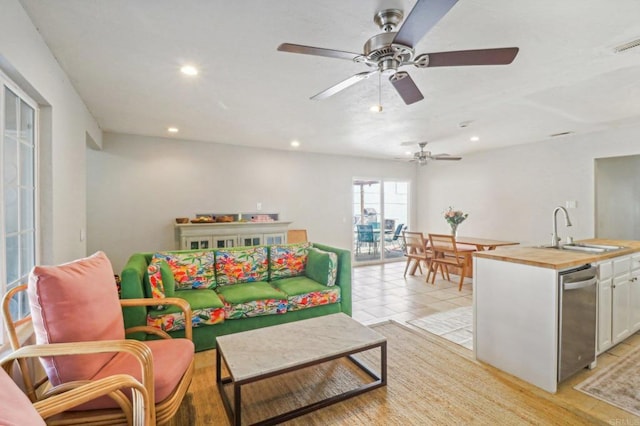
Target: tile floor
x,y
380,292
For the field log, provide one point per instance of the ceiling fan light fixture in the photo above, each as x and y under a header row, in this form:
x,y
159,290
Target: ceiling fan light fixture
x,y
378,107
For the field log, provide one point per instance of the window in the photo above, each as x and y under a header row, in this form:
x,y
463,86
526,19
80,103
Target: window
x,y
18,192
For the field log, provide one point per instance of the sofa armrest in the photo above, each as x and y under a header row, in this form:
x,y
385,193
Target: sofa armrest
x,y
132,287
344,275
181,303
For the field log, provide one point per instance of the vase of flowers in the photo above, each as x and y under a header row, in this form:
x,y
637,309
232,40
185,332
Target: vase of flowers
x,y
455,218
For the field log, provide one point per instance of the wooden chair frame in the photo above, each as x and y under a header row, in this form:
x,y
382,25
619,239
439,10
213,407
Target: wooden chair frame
x,y
445,254
296,236
163,411
415,250
137,411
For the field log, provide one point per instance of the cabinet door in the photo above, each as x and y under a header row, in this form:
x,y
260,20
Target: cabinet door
x,y
620,306
225,242
249,240
196,243
634,301
277,238
604,314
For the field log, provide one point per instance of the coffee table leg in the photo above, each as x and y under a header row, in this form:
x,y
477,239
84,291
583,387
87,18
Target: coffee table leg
x,y
218,368
237,402
383,363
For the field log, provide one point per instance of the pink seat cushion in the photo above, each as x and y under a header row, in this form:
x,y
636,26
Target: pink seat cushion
x,y
171,358
75,302
15,407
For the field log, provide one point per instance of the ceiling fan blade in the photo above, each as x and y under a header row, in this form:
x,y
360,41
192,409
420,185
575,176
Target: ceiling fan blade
x,y
424,16
317,51
500,56
445,157
406,88
343,85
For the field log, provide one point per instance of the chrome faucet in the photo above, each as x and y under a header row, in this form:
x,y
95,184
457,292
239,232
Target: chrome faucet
x,y
554,237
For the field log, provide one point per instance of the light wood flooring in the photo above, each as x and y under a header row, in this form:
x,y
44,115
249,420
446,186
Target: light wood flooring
x,y
380,293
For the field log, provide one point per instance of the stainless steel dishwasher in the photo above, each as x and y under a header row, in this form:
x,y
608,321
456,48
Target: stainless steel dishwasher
x,y
577,329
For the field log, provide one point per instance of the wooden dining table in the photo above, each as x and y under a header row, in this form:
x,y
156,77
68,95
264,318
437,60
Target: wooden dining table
x,y
483,244
467,245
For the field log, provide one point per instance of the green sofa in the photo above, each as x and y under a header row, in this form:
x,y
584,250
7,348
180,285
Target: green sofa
x,y
232,293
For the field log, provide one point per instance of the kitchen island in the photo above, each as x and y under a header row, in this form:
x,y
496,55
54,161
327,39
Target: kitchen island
x,y
517,312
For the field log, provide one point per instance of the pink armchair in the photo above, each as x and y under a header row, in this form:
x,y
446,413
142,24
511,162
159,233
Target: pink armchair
x,y
78,303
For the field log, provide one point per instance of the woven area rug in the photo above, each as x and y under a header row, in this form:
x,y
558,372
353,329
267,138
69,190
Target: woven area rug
x,y
428,385
455,325
617,384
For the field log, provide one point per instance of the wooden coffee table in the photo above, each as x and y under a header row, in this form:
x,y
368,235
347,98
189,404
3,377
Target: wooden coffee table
x,y
266,352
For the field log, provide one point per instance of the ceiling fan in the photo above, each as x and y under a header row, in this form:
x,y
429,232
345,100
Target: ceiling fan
x,y
390,50
422,156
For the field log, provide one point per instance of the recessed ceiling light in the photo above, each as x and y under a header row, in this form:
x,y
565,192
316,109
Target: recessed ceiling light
x,y
474,138
172,130
295,144
189,70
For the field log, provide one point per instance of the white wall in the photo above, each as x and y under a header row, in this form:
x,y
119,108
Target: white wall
x,y
510,193
27,60
137,185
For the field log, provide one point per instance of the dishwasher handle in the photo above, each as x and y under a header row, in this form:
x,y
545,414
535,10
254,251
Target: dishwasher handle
x,y
579,284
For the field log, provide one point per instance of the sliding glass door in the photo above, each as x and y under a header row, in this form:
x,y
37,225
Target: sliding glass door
x,y
380,211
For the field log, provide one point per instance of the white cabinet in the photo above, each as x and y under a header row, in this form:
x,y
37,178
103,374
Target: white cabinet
x,y
634,294
605,281
229,234
618,300
621,293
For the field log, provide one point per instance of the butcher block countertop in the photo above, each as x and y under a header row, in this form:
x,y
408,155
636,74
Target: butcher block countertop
x,y
558,259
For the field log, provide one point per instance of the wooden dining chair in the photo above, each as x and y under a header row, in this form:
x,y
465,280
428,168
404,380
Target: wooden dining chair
x,y
445,254
415,250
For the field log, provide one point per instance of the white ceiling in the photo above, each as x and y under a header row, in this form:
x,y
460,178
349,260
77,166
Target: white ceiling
x,y
123,57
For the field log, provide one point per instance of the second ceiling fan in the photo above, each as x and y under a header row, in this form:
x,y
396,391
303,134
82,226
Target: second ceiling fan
x,y
422,157
386,52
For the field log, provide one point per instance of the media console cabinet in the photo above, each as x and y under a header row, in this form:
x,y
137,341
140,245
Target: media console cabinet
x,y
193,236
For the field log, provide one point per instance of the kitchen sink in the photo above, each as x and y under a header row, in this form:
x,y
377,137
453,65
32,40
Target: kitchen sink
x,y
587,248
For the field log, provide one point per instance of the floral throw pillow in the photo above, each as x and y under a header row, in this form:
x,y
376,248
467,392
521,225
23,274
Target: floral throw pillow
x,y
192,269
241,266
154,275
288,260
